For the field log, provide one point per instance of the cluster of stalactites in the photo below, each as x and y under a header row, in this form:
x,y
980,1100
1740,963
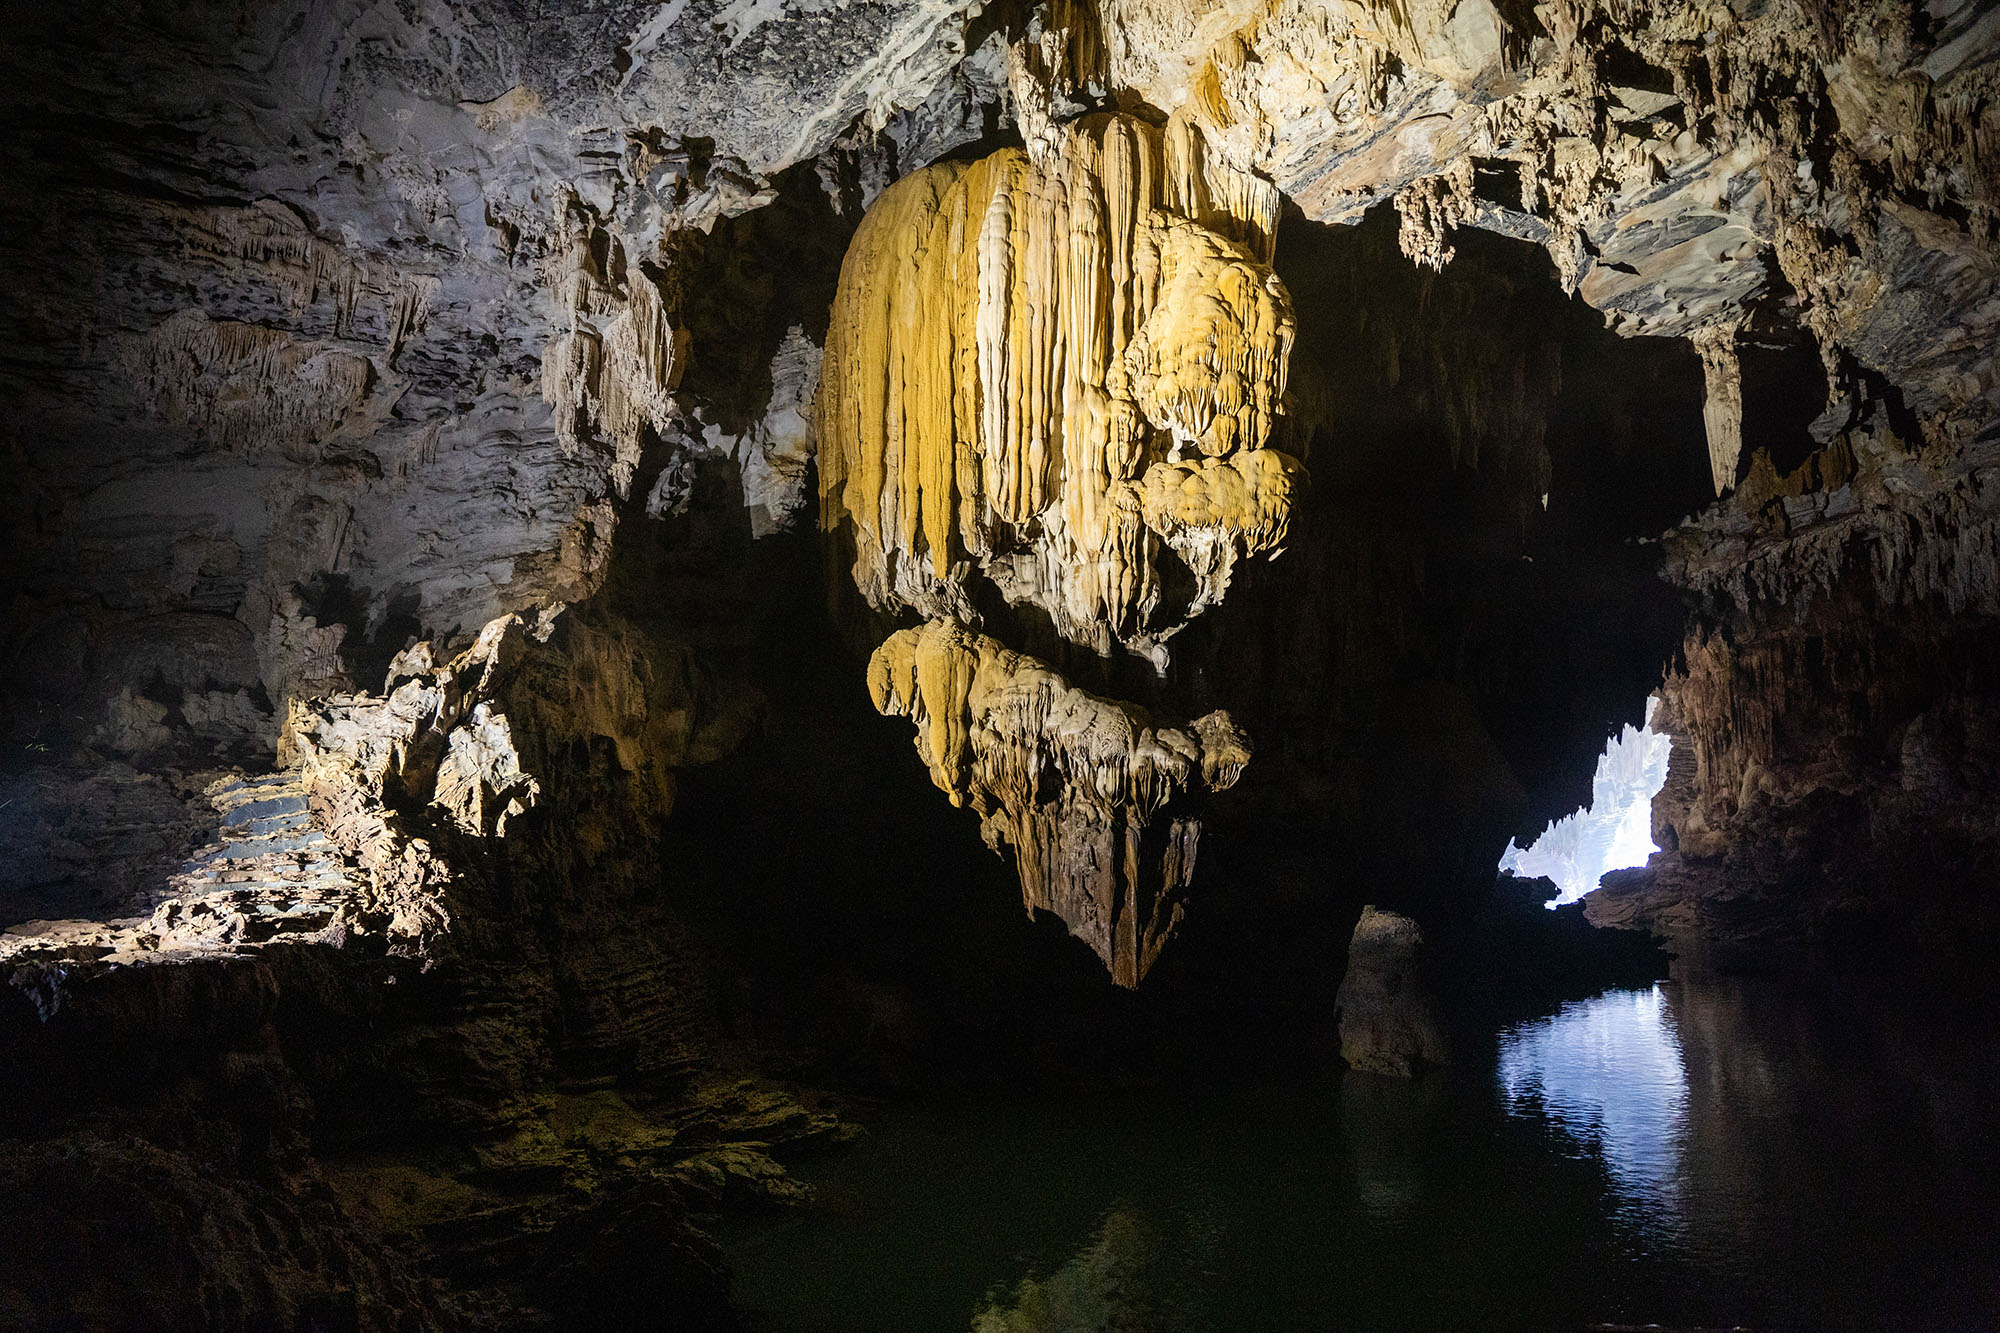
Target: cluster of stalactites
x,y
1722,401
1020,357
1089,796
247,387
614,371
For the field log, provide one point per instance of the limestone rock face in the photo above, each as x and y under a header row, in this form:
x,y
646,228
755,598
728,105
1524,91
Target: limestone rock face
x,y
1830,712
339,966
1389,1021
1088,795
368,314
1669,158
330,849
339,341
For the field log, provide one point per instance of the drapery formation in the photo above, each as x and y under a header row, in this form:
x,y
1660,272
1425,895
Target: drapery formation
x,y
1047,369
1042,373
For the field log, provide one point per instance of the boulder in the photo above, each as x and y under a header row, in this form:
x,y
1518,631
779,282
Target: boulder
x,y
1389,1022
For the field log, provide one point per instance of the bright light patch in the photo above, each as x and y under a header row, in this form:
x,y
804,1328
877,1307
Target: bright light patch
x,y
1614,831
1609,1071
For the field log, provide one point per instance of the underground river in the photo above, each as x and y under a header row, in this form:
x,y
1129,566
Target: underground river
x,y
1707,1155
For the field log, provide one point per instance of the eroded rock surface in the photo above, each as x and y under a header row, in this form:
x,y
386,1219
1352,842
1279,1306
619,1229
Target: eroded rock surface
x,y
1831,715
332,335
1390,1022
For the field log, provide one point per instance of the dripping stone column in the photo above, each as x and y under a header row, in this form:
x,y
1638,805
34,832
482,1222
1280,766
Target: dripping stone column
x,y
1043,372
1722,401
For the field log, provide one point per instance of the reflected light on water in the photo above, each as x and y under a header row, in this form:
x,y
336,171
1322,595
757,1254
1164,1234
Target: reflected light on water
x,y
1690,1155
1608,1071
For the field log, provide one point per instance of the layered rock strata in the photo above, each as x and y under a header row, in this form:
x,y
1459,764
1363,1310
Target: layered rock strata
x,y
387,1031
331,332
1830,788
1685,167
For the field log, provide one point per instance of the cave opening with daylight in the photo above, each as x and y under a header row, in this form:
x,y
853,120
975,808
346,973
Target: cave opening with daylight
x,y
759,664
1613,832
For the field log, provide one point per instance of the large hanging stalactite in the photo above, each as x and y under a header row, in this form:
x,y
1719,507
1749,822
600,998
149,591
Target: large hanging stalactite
x,y
1087,793
1043,368
1022,353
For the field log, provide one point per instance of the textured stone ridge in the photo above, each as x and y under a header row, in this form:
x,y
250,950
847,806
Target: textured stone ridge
x,y
1021,354
1683,164
1091,798
323,851
1830,786
332,333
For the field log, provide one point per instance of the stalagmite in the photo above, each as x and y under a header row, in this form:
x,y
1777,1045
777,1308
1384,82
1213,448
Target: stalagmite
x,y
1092,799
1016,343
1722,402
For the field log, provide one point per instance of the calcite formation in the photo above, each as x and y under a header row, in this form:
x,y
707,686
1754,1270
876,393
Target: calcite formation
x,y
1831,711
614,370
1674,159
268,244
244,386
1039,373
1722,403
1045,369
329,334
1090,796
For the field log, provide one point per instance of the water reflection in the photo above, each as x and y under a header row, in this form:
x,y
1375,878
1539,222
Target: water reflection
x,y
1101,1288
1608,1070
1685,1155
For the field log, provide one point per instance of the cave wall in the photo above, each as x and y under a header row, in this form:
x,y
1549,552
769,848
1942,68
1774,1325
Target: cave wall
x,y
413,435
281,411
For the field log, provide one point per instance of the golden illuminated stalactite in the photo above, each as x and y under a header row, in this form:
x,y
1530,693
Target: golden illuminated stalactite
x,y
1205,511
1210,359
1015,344
1089,796
872,413
1041,369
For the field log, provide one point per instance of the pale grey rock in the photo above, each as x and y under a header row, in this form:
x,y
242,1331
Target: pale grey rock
x,y
287,370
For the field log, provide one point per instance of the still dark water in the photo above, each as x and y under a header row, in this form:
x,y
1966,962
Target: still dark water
x,y
1713,1156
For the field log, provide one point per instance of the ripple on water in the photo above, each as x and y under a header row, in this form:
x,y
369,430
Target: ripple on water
x,y
1609,1072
